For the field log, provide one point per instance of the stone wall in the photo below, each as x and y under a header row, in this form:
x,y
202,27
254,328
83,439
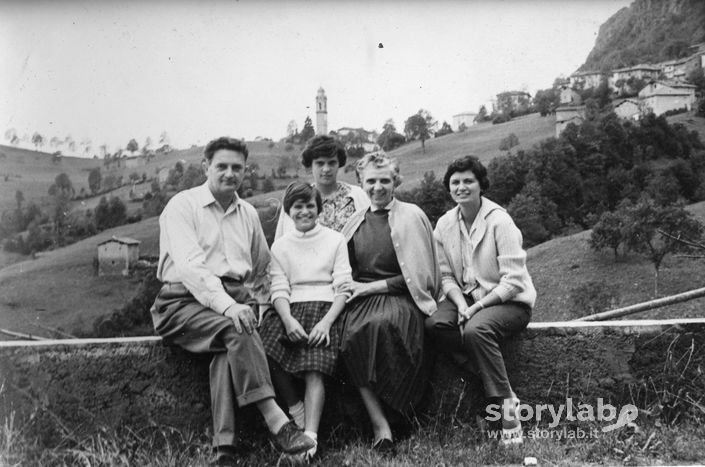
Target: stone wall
x,y
76,387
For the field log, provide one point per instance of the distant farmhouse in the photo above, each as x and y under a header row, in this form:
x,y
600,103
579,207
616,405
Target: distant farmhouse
x,y
660,97
358,137
566,114
511,102
586,79
463,118
117,256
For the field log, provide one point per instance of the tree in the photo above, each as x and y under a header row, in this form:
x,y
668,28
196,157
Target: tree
x,y
70,143
164,138
54,142
110,213
11,135
37,140
132,146
482,115
62,185
534,214
292,129
94,179
389,139
445,130
147,144
655,231
546,101
192,176
109,182
431,196
87,145
419,126
509,142
307,132
608,232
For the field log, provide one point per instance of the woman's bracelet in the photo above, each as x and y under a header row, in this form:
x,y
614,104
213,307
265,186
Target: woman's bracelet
x,y
481,305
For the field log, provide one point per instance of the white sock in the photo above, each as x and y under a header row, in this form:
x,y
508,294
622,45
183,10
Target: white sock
x,y
297,413
274,417
314,436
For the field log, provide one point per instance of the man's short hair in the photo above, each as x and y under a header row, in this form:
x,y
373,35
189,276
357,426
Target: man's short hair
x,y
300,191
323,146
225,142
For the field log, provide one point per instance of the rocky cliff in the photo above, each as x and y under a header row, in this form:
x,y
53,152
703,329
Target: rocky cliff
x,y
648,31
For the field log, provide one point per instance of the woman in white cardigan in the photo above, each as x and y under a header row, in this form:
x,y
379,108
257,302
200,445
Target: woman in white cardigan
x,y
489,294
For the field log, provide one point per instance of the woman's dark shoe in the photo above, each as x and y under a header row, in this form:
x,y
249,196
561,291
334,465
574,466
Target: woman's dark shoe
x,y
385,447
226,456
292,440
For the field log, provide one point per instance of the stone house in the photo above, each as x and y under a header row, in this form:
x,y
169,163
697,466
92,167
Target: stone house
x,y
568,96
675,69
642,71
586,79
468,118
659,97
516,102
628,109
566,114
117,256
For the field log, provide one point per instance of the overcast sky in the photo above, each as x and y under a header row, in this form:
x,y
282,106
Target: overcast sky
x,y
115,70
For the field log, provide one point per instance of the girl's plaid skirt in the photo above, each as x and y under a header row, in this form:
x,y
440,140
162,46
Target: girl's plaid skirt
x,y
300,358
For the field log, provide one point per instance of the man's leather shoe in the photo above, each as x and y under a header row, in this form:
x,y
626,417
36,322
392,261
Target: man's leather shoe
x,y
292,440
385,447
226,456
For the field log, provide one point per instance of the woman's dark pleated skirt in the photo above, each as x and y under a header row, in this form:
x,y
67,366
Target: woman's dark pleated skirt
x,y
382,348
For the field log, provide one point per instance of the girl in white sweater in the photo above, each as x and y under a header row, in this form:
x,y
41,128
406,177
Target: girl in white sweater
x,y
311,278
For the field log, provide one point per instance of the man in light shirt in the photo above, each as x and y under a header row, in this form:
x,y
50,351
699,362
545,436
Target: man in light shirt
x,y
213,261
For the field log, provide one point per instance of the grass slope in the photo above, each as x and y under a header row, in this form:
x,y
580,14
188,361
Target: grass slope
x,y
561,264
480,140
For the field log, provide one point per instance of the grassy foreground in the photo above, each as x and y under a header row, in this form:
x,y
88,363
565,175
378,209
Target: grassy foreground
x,y
433,444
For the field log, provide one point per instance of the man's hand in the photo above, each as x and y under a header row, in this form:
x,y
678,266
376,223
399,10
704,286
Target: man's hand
x,y
320,334
294,331
242,317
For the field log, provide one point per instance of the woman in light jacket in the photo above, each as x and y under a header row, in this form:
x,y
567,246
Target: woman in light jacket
x,y
489,294
396,280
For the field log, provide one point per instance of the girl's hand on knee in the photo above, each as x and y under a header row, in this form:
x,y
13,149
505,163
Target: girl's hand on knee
x,y
320,334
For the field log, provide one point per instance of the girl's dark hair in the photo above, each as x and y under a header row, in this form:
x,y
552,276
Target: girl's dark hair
x,y
323,146
300,191
225,142
471,163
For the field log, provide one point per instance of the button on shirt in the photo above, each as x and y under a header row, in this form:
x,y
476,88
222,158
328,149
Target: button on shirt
x,y
200,243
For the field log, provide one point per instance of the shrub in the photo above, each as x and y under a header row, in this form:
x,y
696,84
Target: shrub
x,y
593,297
134,318
431,197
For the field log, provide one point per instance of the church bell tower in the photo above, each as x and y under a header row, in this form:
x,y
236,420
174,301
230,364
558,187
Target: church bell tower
x,y
321,112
